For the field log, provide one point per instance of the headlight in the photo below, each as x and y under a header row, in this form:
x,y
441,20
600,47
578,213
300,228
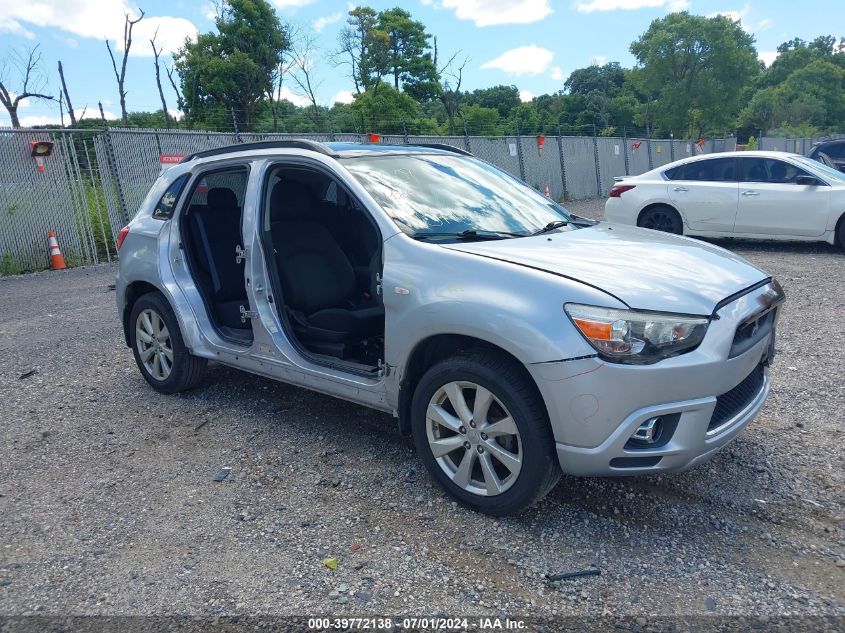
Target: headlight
x,y
632,336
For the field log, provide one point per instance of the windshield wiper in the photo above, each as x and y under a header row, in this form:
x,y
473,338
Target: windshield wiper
x,y
468,235
551,226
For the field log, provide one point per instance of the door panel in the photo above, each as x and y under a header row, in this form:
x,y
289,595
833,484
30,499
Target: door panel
x,y
771,203
706,193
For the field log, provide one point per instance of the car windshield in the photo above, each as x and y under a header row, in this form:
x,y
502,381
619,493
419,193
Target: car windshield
x,y
446,195
823,169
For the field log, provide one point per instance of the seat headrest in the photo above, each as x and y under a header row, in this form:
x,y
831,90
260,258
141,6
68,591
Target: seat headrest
x,y
221,198
290,201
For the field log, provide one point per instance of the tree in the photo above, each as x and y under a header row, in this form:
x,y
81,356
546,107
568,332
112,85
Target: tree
x,y
607,79
385,109
688,62
299,64
128,25
156,54
364,48
409,59
67,102
232,71
502,98
32,82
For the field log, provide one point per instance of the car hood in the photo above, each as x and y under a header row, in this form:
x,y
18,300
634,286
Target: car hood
x,y
645,269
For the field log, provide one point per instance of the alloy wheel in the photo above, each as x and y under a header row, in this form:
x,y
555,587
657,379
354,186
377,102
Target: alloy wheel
x,y
473,438
154,346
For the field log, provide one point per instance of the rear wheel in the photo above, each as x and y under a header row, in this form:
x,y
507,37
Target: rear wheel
x,y
164,360
840,233
483,432
662,218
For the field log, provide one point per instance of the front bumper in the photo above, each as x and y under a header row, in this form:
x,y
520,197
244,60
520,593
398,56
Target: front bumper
x,y
595,407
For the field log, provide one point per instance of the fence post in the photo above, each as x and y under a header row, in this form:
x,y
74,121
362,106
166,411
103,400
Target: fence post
x,y
97,201
625,150
235,125
650,157
519,153
404,132
596,159
466,138
760,139
672,147
113,166
562,163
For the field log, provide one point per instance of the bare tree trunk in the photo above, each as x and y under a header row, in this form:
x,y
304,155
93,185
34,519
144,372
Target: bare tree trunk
x,y
68,104
29,68
121,76
156,53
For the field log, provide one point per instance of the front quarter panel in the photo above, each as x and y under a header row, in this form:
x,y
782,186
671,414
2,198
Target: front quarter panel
x,y
430,290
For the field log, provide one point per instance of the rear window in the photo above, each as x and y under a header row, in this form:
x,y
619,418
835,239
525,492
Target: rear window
x,y
167,203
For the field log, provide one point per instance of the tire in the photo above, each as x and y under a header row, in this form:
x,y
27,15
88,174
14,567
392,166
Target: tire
x,y
466,377
662,218
166,365
840,233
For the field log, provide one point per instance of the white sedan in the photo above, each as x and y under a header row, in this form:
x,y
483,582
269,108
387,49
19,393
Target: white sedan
x,y
761,195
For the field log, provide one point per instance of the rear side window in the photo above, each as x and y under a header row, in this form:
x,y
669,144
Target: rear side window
x,y
770,170
225,186
835,150
167,203
708,170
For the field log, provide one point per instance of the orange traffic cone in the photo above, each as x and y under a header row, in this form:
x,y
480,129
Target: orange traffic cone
x,y
57,260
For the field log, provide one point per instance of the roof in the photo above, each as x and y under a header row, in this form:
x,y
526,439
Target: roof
x,y
334,149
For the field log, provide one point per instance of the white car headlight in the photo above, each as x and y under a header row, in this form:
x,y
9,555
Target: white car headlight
x,y
634,336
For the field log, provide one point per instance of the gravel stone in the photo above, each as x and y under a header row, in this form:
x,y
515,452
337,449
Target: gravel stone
x,y
107,505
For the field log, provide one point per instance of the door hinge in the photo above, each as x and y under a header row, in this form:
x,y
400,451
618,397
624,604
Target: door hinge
x,y
248,314
383,368
378,283
240,254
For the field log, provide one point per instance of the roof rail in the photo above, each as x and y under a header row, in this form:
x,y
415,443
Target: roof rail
x,y
313,146
444,147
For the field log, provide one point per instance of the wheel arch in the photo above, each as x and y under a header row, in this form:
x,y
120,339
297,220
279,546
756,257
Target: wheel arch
x,y
838,232
435,348
134,291
652,205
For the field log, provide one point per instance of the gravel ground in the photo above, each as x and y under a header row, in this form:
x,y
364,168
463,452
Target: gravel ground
x,y
107,504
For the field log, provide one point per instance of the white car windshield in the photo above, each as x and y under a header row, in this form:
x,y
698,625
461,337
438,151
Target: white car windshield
x,y
826,171
434,194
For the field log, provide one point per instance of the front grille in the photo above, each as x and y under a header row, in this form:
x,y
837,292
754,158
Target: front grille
x,y
733,401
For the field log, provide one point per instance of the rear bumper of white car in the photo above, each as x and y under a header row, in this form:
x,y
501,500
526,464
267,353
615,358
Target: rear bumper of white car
x,y
699,401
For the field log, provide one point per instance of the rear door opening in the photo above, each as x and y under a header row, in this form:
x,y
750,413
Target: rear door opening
x,y
210,227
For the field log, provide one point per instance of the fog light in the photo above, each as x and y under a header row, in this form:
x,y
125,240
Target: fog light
x,y
649,432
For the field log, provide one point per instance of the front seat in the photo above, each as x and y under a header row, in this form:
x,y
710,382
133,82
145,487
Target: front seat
x,y
318,281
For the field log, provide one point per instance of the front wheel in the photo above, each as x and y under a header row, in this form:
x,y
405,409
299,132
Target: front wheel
x,y
164,360
482,431
662,218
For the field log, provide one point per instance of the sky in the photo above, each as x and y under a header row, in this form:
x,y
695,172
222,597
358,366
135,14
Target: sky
x,y
532,44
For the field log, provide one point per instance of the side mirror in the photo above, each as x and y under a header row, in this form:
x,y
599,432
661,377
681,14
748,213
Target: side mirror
x,y
807,180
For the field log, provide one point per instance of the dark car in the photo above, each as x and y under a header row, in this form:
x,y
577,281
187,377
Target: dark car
x,y
831,153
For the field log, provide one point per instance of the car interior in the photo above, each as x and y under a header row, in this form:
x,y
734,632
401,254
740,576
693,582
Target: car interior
x,y
327,254
211,237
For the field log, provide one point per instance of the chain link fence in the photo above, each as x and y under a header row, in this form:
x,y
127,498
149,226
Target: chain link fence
x,y
96,180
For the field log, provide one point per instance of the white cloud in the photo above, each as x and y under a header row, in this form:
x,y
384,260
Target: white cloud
x,y
344,96
735,14
767,57
599,60
295,99
175,114
590,6
8,25
292,5
54,118
612,5
763,25
525,60
323,22
525,96
557,73
493,12
98,19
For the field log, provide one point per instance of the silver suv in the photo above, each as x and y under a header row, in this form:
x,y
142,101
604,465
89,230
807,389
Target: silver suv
x,y
510,338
